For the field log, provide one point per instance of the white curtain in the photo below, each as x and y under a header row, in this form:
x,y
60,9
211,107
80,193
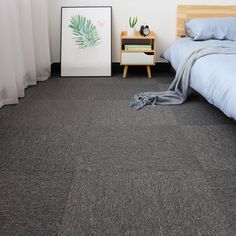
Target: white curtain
x,y
24,47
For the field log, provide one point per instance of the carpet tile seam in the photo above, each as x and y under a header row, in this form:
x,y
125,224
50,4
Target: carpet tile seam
x,y
67,198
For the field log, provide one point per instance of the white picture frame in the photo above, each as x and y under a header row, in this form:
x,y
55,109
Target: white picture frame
x,y
86,35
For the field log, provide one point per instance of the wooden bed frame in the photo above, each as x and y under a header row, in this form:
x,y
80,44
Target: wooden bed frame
x,y
200,11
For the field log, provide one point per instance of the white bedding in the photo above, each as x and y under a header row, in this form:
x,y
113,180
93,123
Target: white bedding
x,y
213,76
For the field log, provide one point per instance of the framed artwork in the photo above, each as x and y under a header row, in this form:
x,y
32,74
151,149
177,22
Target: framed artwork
x,y
86,34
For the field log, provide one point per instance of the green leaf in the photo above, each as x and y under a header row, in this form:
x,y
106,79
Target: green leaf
x,y
133,21
86,34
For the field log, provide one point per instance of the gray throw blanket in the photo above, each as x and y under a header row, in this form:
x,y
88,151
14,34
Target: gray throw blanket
x,y
178,90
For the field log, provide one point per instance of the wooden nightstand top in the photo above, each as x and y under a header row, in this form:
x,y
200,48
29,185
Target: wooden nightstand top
x,y
124,35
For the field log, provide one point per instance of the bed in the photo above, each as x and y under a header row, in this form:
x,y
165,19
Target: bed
x,y
212,76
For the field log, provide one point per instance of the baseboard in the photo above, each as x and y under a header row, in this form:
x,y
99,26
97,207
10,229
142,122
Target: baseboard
x,y
117,68
56,69
158,68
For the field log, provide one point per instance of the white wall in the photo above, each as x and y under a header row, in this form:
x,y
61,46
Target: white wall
x,y
160,15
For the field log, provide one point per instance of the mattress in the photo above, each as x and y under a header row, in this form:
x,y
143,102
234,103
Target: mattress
x,y
213,76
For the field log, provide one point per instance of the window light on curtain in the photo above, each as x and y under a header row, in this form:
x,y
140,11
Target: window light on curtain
x,y
24,47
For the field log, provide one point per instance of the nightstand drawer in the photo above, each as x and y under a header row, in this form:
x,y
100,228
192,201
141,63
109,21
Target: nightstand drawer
x,y
137,58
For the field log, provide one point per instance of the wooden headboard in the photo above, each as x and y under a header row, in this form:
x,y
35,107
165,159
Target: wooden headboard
x,y
200,11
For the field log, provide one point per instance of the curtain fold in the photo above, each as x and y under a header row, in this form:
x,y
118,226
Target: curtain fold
x,y
24,47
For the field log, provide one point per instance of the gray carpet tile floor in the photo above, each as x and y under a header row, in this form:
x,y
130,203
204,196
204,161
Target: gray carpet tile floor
x,y
76,160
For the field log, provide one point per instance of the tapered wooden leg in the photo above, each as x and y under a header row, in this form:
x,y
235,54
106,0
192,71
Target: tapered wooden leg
x,y
125,71
149,72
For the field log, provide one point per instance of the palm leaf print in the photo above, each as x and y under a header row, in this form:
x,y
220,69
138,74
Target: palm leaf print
x,y
86,34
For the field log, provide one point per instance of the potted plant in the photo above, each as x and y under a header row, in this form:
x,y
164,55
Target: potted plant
x,y
132,22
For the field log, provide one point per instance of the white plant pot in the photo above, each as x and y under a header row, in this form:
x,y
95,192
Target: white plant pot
x,y
131,31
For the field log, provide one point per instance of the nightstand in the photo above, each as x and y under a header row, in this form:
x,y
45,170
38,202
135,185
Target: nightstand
x,y
137,51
